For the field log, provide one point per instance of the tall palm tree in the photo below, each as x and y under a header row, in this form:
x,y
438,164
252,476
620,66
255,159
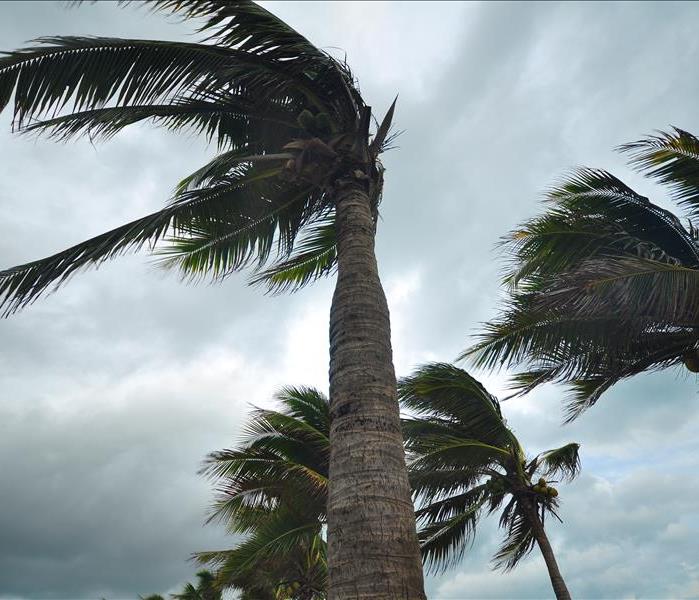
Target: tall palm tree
x,y
293,192
466,463
273,489
605,284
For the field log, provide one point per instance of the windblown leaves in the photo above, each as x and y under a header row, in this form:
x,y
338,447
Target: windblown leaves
x,y
273,489
673,159
465,463
602,286
243,88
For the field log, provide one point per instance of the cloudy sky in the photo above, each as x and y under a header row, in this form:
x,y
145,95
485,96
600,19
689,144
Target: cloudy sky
x,y
113,389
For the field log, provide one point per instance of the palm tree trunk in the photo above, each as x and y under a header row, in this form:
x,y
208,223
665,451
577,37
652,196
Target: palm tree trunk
x,y
559,586
372,545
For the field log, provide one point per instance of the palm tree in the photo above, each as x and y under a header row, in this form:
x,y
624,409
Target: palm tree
x,y
605,284
273,489
205,590
466,463
293,193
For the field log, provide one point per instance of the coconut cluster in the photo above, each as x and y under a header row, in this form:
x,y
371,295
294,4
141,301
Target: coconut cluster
x,y
543,489
289,589
496,485
319,124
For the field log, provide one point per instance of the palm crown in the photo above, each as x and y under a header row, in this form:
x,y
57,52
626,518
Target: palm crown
x,y
465,462
604,284
273,490
287,118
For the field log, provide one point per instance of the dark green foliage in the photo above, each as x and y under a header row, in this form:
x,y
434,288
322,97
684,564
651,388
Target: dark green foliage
x,y
465,463
244,88
603,285
204,590
273,490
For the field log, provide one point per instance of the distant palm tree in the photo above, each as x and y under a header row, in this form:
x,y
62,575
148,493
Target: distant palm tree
x,y
465,463
604,285
294,191
273,489
204,590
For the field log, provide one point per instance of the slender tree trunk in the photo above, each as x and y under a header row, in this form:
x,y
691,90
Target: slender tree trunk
x,y
559,586
372,545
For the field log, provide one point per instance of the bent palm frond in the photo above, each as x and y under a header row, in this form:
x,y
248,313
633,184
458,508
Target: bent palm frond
x,y
314,257
671,158
232,206
563,461
519,541
445,391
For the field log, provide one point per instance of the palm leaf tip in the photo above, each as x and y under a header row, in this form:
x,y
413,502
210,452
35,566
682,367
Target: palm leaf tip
x,y
671,157
563,461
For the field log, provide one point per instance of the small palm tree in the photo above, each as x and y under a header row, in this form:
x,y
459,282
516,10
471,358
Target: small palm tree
x,y
204,590
293,193
273,489
465,463
605,284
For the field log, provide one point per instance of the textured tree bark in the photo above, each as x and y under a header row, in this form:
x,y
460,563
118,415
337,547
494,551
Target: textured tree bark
x,y
372,545
559,586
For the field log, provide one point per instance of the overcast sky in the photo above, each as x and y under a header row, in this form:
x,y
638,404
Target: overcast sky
x,y
114,389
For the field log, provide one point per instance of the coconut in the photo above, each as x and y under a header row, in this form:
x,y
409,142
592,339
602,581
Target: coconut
x,y
554,492
323,123
306,119
691,361
542,482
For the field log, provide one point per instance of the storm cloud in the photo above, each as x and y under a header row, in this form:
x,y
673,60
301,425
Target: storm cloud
x,y
113,389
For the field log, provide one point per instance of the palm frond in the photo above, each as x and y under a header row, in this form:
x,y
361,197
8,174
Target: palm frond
x,y
672,158
382,138
273,541
231,119
314,257
443,390
429,485
519,540
275,215
561,462
250,28
281,464
188,593
441,452
249,226
308,405
598,192
443,542
89,72
601,269
660,291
